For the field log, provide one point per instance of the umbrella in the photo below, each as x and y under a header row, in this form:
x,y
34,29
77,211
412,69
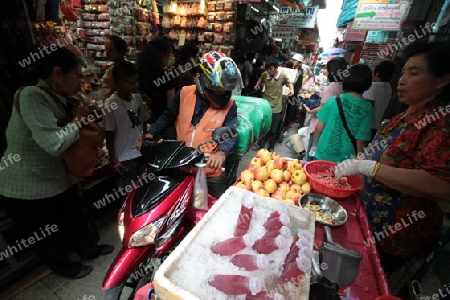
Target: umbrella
x,y
335,51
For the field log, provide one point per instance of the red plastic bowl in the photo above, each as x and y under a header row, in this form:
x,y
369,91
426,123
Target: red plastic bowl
x,y
317,186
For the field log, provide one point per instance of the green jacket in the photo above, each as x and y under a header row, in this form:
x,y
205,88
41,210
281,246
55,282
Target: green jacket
x,y
32,167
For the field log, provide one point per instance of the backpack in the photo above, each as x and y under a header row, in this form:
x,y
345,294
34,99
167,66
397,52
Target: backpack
x,y
81,157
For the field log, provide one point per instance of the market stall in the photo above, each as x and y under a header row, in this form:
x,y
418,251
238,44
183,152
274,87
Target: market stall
x,y
272,184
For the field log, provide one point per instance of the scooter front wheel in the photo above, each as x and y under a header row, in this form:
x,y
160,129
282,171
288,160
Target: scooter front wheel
x,y
142,275
115,292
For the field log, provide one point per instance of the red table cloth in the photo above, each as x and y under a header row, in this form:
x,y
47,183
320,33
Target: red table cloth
x,y
371,280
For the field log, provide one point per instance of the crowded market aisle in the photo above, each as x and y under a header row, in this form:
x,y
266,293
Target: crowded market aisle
x,y
54,287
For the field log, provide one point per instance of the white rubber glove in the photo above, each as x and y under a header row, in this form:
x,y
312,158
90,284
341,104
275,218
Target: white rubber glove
x,y
351,167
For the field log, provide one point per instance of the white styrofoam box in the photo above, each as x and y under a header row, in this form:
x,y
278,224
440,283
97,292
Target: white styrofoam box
x,y
184,274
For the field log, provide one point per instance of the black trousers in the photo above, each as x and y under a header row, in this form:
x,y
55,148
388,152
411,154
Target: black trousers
x,y
71,230
271,136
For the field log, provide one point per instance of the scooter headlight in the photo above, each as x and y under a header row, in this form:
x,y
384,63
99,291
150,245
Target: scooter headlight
x,y
146,235
121,226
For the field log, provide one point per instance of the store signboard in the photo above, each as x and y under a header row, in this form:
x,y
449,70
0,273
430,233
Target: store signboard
x,y
292,17
284,32
354,35
380,15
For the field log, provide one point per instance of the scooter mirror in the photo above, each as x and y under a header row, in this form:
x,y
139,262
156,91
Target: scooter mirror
x,y
222,134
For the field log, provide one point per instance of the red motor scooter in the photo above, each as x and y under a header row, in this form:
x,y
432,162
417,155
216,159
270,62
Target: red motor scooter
x,y
152,218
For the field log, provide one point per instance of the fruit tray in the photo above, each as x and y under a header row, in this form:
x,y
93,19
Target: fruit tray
x,y
184,274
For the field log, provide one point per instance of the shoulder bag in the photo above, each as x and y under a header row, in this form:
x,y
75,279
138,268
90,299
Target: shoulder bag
x,y
81,157
344,122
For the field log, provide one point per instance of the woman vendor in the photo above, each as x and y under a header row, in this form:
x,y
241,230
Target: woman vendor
x,y
406,168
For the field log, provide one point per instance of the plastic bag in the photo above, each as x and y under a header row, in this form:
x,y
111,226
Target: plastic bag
x,y
200,194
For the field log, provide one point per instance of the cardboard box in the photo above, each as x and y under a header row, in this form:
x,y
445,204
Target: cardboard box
x,y
184,274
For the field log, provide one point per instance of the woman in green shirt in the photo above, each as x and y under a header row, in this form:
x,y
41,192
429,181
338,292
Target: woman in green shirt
x,y
36,190
331,140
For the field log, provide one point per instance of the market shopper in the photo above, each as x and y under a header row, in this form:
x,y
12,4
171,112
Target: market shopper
x,y
307,74
246,69
258,69
322,78
273,81
37,191
155,82
199,109
292,104
332,141
380,93
121,128
334,67
186,65
115,49
406,168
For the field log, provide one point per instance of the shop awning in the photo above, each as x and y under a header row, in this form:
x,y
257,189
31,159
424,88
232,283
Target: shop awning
x,y
348,13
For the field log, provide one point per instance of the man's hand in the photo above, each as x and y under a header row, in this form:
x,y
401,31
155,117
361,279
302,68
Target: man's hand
x,y
352,167
257,87
307,109
139,142
216,160
312,151
117,167
291,93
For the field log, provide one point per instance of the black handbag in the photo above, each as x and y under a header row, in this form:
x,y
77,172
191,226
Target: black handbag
x,y
344,122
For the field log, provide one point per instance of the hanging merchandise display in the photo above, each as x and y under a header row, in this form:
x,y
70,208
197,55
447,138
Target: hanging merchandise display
x,y
69,11
211,26
94,27
132,21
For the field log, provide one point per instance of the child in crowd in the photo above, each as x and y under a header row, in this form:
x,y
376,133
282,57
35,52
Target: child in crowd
x,y
115,49
380,93
122,130
273,81
333,141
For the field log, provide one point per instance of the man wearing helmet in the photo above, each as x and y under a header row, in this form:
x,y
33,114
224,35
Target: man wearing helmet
x,y
198,109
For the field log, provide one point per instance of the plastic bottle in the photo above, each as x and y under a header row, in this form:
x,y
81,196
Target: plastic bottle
x,y
305,233
233,245
295,271
283,231
265,296
303,242
236,284
266,246
245,216
250,262
299,245
293,252
277,223
275,214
